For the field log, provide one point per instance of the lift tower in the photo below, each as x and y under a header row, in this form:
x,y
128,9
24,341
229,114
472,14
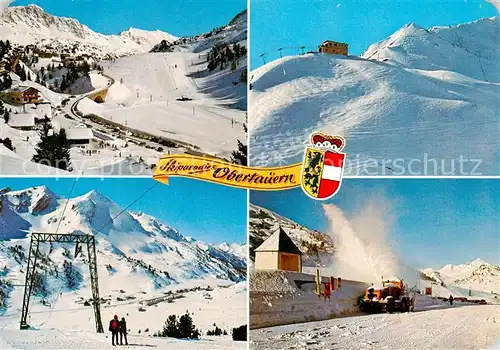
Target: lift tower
x,y
36,240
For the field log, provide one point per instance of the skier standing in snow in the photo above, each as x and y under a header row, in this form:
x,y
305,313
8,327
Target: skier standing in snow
x,y
123,331
114,327
451,299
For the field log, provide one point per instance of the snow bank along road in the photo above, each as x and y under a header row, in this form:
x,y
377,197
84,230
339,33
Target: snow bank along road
x,y
458,327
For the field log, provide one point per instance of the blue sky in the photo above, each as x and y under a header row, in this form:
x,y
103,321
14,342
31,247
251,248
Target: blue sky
x,y
436,221
292,24
177,17
205,211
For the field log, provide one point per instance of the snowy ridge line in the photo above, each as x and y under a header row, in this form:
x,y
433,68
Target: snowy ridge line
x,y
32,25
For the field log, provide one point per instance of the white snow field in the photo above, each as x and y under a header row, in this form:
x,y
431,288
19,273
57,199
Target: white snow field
x,y
147,271
147,101
431,96
64,339
458,327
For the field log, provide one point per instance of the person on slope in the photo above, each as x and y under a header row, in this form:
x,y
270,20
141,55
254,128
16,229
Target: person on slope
x,y
451,299
114,328
123,331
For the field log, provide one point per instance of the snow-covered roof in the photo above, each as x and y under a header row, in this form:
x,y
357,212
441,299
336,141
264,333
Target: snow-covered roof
x,y
79,134
18,88
279,241
332,41
22,120
392,279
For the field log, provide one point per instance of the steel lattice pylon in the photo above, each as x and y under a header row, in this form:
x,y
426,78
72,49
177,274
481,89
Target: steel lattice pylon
x,y
36,240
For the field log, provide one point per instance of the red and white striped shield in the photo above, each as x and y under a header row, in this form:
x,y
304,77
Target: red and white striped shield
x,y
322,173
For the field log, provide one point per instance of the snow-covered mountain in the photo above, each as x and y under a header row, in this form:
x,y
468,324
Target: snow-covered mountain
x,y
477,275
232,33
263,223
125,237
416,95
31,25
469,47
220,58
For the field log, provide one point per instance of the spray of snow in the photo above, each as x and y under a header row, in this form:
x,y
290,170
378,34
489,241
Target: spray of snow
x,y
363,251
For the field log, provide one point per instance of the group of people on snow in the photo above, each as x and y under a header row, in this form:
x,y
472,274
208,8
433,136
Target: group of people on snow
x,y
118,326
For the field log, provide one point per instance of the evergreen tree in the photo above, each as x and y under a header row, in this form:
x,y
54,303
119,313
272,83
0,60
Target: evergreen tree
x,y
229,54
171,328
239,156
179,328
23,74
85,67
240,333
243,76
6,116
63,85
186,326
8,143
53,150
212,65
5,82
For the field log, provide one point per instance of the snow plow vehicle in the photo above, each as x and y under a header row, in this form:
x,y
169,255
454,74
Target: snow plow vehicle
x,y
390,296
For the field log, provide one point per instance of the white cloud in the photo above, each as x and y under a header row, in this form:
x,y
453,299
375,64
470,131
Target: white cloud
x,y
495,3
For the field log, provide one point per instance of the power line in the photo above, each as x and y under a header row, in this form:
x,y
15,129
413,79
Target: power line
x,y
66,205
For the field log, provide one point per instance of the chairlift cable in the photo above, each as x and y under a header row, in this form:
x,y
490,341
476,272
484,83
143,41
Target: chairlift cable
x,y
128,206
66,205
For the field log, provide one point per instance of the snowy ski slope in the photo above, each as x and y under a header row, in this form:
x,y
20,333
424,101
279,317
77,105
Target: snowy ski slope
x,y
147,101
417,95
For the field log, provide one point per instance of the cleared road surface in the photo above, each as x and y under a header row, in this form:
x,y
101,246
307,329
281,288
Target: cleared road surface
x,y
459,327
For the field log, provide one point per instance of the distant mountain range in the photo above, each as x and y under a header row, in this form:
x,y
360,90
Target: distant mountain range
x,y
31,25
477,275
135,246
